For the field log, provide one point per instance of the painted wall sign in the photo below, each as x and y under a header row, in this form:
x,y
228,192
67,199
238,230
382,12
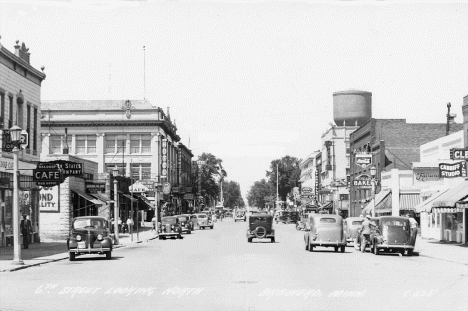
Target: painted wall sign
x,y
426,174
448,170
363,159
49,199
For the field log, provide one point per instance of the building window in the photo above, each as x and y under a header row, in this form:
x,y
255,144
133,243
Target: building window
x,y
140,143
141,171
115,143
57,143
2,107
111,166
20,113
10,112
28,124
35,130
85,144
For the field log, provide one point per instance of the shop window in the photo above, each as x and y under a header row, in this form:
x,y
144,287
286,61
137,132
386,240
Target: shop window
x,y
85,144
115,143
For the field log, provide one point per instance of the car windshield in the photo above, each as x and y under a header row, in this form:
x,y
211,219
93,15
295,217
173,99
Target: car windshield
x,y
170,221
328,220
397,223
201,216
357,222
88,223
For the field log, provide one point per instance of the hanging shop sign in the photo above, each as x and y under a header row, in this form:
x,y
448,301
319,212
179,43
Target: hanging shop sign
x,y
138,187
164,158
95,187
166,188
47,174
459,153
306,190
452,170
363,159
7,145
365,182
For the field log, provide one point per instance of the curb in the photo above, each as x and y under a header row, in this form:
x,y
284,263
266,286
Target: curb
x,y
444,259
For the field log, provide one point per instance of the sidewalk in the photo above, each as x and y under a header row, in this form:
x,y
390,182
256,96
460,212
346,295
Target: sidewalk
x,y
447,251
49,251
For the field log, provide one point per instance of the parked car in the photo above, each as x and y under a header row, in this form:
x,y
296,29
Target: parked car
x,y
325,230
260,226
169,227
393,234
192,218
185,223
203,221
89,235
351,226
240,215
287,217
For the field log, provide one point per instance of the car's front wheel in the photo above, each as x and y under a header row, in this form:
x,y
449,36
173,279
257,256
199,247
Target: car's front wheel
x,y
343,249
71,256
211,227
249,240
109,255
272,240
410,252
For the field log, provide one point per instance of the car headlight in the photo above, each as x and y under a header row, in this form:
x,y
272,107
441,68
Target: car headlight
x,y
78,237
99,237
172,227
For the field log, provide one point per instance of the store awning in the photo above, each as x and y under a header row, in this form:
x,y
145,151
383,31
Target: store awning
x,y
130,197
102,197
329,205
451,197
378,198
426,206
463,203
87,197
385,205
408,201
147,203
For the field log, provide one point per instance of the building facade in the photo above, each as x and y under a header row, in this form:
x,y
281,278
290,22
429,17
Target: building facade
x,y
137,138
20,104
381,140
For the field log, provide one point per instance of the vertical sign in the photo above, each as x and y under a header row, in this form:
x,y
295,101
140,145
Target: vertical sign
x,y
164,158
179,165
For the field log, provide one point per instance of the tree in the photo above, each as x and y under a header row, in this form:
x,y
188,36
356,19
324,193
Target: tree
x,y
259,192
289,174
209,172
232,194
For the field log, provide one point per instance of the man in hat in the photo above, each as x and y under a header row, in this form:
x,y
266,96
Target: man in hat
x,y
365,232
414,229
26,229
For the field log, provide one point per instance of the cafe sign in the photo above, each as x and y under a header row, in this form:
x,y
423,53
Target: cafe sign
x,y
452,170
138,187
363,159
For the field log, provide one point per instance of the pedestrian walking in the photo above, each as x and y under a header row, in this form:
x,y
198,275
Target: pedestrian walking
x,y
119,223
26,229
130,224
365,232
153,221
414,229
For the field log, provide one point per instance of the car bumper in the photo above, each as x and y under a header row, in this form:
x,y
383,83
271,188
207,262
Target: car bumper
x,y
389,246
185,230
327,243
268,236
93,250
169,234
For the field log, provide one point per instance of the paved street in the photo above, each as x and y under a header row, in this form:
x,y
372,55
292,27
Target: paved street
x,y
218,270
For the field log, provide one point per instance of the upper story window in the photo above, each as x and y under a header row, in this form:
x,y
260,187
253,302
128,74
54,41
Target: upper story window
x,y
57,143
34,131
85,144
115,143
140,143
10,112
2,108
141,171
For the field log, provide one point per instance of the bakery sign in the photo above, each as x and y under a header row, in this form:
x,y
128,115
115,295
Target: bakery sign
x,y
364,182
452,170
363,159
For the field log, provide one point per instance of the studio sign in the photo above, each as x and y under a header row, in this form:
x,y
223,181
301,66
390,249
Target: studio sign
x,y
452,170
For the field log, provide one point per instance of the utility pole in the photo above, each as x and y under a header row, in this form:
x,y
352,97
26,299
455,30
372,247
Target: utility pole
x,y
277,179
448,119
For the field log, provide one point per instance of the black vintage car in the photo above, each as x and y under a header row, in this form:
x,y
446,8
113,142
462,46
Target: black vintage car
x,y
169,227
393,234
89,235
260,227
288,217
185,223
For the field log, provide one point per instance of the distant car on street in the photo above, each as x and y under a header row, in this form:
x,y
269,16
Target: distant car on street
x,y
89,235
192,219
169,227
203,221
287,217
240,215
260,226
351,226
185,223
325,230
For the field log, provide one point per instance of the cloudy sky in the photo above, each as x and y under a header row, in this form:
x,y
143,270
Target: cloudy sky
x,y
249,81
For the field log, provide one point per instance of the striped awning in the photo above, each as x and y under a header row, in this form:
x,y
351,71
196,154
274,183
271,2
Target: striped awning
x,y
408,201
451,197
88,197
378,198
426,205
463,203
385,205
447,210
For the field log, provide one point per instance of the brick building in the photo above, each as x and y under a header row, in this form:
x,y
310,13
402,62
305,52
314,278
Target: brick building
x,y
20,104
392,143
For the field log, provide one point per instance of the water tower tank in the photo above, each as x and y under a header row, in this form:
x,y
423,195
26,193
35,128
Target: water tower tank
x,y
352,106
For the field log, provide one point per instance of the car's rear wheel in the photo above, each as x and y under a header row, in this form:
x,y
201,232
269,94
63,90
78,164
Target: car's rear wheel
x,y
71,256
336,248
272,240
189,232
343,249
249,240
311,248
376,249
160,237
211,227
306,245
410,252
109,255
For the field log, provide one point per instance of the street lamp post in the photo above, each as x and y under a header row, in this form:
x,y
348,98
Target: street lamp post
x,y
15,138
373,172
115,173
